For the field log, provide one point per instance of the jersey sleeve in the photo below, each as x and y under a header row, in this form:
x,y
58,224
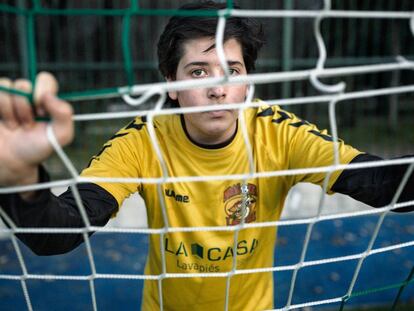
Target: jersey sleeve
x,y
119,158
46,210
309,147
377,186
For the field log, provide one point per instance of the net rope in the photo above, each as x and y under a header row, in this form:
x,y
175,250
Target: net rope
x,y
335,94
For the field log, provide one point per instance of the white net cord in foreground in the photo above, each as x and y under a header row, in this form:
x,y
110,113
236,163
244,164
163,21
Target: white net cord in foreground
x,y
333,94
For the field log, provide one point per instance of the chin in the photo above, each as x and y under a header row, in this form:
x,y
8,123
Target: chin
x,y
219,127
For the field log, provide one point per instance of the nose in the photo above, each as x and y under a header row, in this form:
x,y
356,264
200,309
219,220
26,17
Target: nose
x,y
217,92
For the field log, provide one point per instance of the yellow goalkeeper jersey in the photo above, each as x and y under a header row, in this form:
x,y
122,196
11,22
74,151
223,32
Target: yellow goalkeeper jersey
x,y
279,141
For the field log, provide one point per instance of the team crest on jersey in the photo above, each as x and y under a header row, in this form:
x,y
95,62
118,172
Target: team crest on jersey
x,y
240,203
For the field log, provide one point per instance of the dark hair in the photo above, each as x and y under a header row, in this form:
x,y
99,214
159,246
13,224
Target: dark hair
x,y
247,31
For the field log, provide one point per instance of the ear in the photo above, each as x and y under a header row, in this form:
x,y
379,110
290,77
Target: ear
x,y
173,94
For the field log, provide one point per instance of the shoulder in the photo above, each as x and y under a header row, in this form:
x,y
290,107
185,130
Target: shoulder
x,y
271,119
138,127
133,138
274,118
269,113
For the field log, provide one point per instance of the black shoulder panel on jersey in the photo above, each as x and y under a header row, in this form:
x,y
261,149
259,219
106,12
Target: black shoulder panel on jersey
x,y
118,135
265,113
49,211
283,116
375,186
324,136
133,125
299,123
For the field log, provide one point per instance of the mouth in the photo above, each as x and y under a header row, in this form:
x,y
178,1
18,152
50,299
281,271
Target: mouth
x,y
218,113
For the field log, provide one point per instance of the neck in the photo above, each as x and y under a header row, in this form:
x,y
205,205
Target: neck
x,y
214,144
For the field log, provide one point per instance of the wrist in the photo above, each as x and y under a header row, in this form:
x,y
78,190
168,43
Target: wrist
x,y
15,174
42,176
31,178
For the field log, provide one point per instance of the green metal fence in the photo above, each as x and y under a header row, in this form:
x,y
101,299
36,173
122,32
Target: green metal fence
x,y
90,52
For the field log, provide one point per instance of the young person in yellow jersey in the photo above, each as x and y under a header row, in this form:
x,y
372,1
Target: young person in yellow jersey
x,y
196,144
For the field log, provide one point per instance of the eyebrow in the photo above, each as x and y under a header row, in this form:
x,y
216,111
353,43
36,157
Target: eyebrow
x,y
230,63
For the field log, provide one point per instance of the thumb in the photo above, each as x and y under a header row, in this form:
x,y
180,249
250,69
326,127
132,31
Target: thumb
x,y
61,113
59,110
45,83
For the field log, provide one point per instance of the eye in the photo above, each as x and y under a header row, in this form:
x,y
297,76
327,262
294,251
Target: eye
x,y
233,71
198,73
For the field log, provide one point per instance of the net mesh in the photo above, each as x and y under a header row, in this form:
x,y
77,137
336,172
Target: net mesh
x,y
138,95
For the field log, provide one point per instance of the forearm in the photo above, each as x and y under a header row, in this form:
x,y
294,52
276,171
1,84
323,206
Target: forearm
x,y
49,211
375,186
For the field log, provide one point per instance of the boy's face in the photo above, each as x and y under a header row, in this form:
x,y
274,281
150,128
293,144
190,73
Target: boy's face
x,y
200,60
